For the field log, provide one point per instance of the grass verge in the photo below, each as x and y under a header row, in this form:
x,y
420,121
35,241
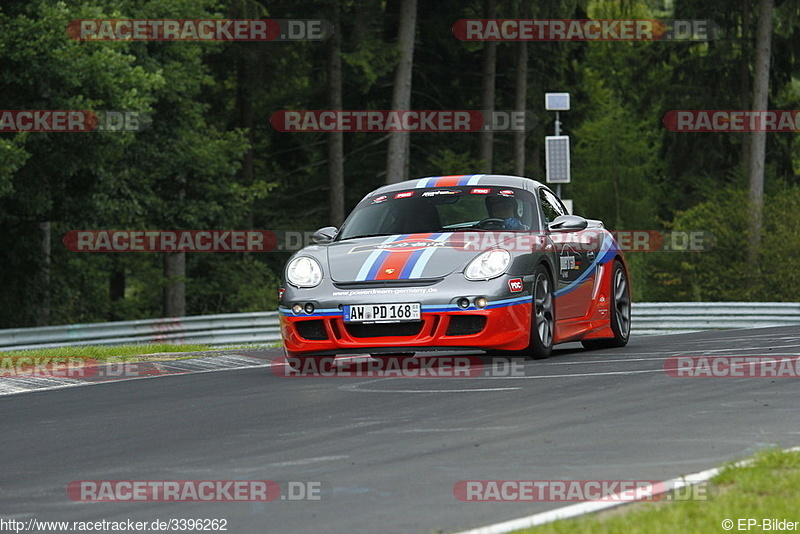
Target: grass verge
x,y
765,489
105,353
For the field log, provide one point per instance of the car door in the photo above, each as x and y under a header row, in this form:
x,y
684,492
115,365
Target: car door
x,y
576,250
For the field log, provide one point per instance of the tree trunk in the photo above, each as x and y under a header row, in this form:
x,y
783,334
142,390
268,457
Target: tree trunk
x,y
758,140
335,139
397,158
116,285
248,79
537,173
244,97
744,79
174,304
520,101
485,151
116,288
175,290
43,308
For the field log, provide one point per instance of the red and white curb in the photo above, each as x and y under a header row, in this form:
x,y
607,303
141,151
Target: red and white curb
x,y
12,385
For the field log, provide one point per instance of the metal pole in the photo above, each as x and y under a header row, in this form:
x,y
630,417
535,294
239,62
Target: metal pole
x,y
558,132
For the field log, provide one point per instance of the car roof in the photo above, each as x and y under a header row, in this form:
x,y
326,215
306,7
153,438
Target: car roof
x,y
478,180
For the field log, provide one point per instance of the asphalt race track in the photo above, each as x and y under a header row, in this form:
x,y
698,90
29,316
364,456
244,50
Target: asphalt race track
x,y
388,451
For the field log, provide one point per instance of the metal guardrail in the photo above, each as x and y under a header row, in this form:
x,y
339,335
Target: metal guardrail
x,y
674,317
223,329
262,327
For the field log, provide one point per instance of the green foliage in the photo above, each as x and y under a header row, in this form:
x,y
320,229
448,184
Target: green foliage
x,y
12,157
615,165
176,174
448,162
722,272
366,53
210,158
226,283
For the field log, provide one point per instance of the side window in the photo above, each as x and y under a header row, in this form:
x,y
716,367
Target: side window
x,y
551,206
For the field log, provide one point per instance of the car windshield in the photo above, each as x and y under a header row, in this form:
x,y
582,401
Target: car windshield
x,y
442,209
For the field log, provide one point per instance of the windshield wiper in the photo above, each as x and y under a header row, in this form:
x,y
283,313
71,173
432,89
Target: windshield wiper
x,y
467,228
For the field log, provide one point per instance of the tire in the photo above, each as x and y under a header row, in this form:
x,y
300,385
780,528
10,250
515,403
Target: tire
x,y
620,315
543,315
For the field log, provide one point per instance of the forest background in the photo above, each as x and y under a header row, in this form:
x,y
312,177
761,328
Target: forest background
x,y
211,160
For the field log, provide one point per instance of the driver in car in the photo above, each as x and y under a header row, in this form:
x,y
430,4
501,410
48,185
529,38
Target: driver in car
x,y
500,207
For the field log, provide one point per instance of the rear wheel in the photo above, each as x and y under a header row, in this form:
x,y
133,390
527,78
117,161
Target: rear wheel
x,y
543,316
620,306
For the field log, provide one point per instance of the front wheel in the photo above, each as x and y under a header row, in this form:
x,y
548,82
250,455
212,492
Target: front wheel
x,y
620,306
543,316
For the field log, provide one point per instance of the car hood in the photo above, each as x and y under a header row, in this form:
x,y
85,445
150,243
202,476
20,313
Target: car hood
x,y
407,257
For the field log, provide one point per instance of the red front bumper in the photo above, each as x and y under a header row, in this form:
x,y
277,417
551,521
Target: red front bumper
x,y
502,328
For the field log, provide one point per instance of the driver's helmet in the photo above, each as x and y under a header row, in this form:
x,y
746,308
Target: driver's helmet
x,y
493,203
507,209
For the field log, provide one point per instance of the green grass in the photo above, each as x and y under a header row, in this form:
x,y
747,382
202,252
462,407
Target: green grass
x,y
104,353
767,488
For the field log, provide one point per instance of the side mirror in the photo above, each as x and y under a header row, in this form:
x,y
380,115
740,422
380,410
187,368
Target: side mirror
x,y
323,236
568,223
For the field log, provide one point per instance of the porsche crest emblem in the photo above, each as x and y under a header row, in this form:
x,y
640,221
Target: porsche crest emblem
x,y
388,271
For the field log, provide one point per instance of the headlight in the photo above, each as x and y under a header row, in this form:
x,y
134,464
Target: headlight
x,y
488,265
304,272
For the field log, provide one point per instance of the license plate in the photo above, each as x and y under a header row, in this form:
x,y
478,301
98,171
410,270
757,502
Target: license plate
x,y
381,313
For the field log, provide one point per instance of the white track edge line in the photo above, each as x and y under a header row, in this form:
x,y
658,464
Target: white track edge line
x,y
575,510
